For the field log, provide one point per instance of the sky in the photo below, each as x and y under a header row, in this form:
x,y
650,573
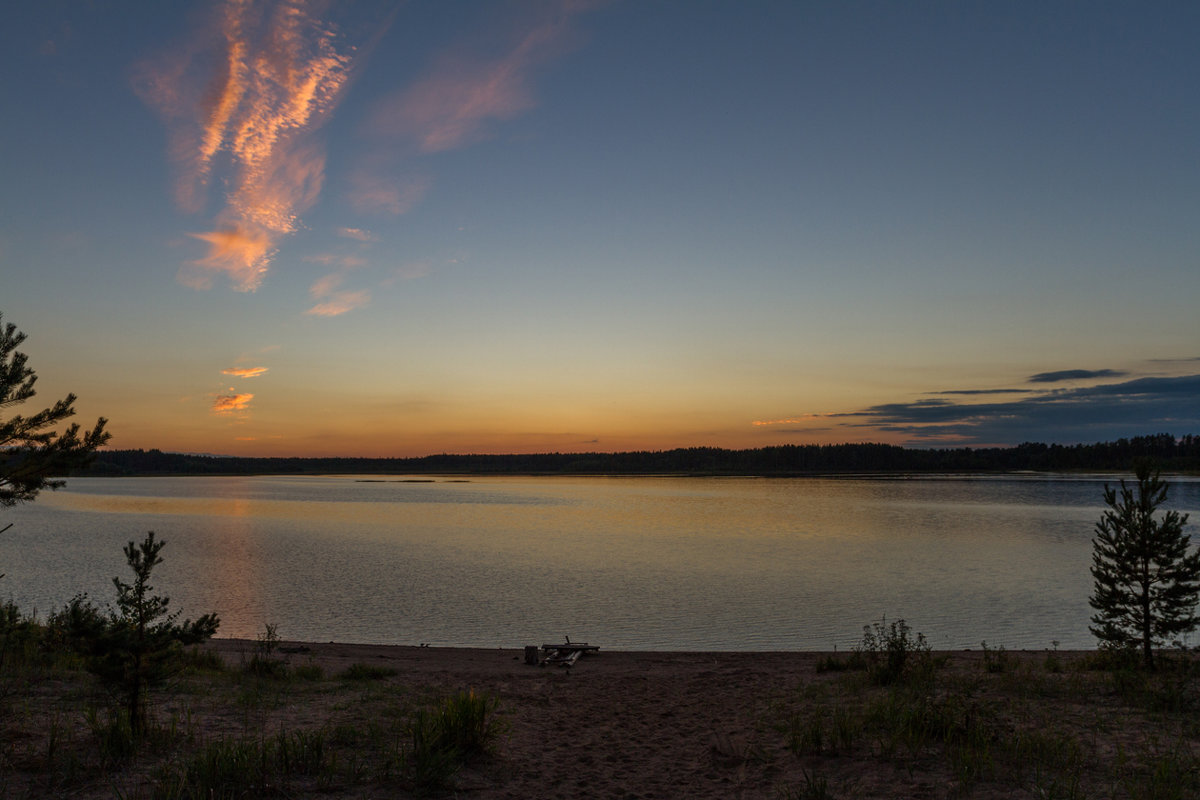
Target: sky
x,y
395,229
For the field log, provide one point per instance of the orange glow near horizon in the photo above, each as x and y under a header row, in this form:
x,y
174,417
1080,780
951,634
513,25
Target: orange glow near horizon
x,y
322,436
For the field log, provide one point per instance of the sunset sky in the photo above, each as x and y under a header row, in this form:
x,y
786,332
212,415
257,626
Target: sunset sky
x,y
395,229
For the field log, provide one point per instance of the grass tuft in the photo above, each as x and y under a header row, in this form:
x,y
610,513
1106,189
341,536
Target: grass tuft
x,y
366,672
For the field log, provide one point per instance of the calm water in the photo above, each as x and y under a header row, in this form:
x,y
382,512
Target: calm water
x,y
630,563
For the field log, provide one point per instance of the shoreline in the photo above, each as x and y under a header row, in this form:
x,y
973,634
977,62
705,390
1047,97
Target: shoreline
x,y
335,650
498,663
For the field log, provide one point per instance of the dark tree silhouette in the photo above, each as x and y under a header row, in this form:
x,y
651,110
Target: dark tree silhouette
x,y
1147,581
137,646
32,453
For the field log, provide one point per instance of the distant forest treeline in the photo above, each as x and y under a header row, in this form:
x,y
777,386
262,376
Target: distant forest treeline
x,y
1166,451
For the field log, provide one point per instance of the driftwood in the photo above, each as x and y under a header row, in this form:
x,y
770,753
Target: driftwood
x,y
566,654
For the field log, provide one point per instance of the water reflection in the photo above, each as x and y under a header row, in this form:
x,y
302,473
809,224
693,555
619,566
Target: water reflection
x,y
632,563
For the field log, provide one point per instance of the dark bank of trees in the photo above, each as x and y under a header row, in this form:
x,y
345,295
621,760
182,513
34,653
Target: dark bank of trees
x,y
1165,450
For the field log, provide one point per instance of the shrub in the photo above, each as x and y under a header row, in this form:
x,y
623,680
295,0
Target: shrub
x,y
892,654
263,663
996,659
834,663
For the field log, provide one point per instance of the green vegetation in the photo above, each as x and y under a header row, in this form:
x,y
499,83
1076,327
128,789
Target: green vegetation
x,y
1147,576
1016,725
60,738
443,738
891,654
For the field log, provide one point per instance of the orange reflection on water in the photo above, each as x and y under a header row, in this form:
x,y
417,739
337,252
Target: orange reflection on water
x,y
238,572
233,567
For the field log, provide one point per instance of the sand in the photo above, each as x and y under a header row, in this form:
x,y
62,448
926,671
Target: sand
x,y
616,724
645,725
640,724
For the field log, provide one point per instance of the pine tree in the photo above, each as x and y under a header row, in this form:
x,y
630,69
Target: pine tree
x,y
32,454
138,645
1147,580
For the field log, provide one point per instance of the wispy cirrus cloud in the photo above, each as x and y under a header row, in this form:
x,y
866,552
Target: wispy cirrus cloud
x,y
245,372
323,287
250,89
358,234
453,105
344,262
231,403
240,253
339,303
458,102
335,301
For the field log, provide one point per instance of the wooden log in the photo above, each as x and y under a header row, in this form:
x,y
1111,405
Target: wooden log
x,y
591,648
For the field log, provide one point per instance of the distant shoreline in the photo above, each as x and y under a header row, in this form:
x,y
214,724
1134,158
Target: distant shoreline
x,y
1165,451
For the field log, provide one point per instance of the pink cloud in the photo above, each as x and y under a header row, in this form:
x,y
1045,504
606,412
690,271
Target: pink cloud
x,y
357,234
231,403
340,303
245,372
323,287
453,106
335,260
240,253
278,72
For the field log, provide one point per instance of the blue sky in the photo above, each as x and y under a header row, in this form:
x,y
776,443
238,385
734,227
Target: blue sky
x,y
403,228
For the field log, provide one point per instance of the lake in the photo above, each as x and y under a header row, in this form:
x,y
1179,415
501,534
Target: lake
x,y
625,563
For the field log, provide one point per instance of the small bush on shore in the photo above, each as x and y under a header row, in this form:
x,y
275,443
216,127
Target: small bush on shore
x,y
892,654
996,659
263,663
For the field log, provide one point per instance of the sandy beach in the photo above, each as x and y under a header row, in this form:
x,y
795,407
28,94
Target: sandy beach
x,y
703,725
616,724
337,720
